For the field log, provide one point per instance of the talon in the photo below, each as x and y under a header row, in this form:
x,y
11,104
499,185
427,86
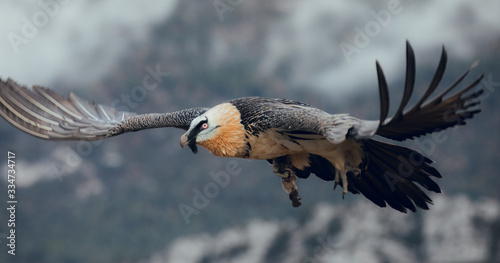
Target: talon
x,y
291,188
278,170
280,167
284,174
294,196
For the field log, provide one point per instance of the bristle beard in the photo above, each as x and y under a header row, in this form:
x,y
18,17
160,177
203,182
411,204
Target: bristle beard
x,y
192,146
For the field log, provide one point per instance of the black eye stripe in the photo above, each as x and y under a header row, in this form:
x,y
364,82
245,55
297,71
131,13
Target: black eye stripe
x,y
198,126
196,129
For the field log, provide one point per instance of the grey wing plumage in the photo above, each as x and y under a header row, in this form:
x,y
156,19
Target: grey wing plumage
x,y
426,116
298,120
259,114
45,114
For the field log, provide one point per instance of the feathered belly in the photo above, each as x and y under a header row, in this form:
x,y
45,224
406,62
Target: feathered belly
x,y
272,144
266,145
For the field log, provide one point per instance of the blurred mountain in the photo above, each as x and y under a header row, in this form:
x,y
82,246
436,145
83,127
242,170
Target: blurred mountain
x,y
458,230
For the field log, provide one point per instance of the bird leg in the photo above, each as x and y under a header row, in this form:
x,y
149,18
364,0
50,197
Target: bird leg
x,y
282,168
341,175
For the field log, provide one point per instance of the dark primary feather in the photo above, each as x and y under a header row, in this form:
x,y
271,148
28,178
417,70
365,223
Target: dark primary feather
x,y
426,116
384,94
43,113
409,82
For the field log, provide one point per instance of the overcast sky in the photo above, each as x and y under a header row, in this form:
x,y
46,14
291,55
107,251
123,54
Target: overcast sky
x,y
72,36
70,39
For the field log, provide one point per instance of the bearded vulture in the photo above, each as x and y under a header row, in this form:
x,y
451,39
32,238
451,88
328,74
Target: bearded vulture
x,y
296,138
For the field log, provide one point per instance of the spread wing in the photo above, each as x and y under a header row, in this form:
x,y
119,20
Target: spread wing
x,y
380,177
259,114
300,121
426,116
45,114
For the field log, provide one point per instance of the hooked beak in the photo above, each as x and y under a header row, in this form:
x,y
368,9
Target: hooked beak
x,y
184,140
189,142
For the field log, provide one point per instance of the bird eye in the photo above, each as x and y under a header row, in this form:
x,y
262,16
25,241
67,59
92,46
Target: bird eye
x,y
204,125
